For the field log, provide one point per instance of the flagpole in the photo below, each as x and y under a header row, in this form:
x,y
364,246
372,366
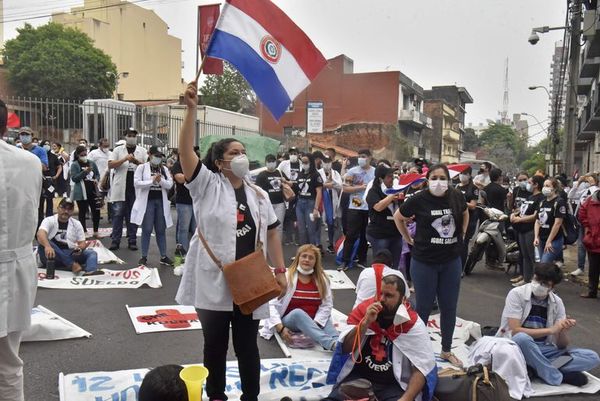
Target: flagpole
x,y
200,69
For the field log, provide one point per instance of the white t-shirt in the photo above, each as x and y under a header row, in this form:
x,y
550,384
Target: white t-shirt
x,y
70,237
360,176
100,157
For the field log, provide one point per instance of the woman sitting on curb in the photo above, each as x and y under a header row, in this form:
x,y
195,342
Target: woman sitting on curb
x,y
306,306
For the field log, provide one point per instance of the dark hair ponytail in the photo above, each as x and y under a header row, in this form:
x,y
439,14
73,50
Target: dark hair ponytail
x,y
216,152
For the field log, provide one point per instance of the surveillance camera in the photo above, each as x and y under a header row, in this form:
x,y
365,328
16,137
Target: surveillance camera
x,y
533,38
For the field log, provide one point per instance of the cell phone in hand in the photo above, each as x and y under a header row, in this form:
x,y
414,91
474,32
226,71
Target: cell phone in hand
x,y
561,361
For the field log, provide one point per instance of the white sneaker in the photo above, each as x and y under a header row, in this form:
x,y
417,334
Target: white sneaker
x,y
577,272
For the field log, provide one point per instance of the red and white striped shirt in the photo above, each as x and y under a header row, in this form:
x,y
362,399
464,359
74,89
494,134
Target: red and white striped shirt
x,y
306,297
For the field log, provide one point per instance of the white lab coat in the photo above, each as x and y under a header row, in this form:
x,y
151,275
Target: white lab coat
x,y
336,191
20,188
279,306
142,181
101,158
215,208
119,177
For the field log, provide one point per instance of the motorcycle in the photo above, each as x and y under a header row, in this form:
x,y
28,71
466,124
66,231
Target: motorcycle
x,y
489,237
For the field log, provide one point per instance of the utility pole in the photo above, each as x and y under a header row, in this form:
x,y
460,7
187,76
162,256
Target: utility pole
x,y
571,107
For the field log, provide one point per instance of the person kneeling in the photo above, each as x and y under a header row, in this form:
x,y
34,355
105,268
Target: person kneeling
x,y
535,318
62,239
306,306
389,346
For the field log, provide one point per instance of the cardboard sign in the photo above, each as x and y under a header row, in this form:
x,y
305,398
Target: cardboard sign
x,y
154,319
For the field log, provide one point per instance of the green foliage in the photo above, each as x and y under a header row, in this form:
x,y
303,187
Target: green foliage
x,y
228,91
471,141
534,163
53,61
504,146
536,154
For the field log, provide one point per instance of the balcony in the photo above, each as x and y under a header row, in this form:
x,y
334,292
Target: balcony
x,y
450,135
414,118
590,67
584,86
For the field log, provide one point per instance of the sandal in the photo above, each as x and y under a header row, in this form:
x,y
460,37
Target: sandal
x,y
450,357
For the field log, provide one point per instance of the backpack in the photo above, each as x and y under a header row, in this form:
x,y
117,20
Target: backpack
x,y
570,225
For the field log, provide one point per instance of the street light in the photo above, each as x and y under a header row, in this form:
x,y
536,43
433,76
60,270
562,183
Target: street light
x,y
532,88
116,77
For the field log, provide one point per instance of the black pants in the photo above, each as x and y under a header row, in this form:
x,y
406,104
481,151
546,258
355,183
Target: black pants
x,y
215,328
594,272
465,245
46,211
357,229
83,206
383,392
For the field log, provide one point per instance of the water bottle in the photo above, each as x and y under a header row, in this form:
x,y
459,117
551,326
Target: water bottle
x,y
50,269
178,256
537,254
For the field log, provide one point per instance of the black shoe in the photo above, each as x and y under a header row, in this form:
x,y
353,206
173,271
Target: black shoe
x,y
114,247
343,268
330,249
166,261
143,260
132,247
575,379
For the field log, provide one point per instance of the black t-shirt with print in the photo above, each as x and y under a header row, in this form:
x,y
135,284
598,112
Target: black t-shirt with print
x,y
376,367
471,193
60,238
182,194
528,208
438,236
381,224
294,170
307,184
548,211
519,197
270,181
245,242
155,189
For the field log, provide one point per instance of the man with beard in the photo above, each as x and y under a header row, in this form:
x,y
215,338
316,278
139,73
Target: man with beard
x,y
395,360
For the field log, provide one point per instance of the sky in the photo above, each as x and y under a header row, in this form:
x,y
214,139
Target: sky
x,y
434,42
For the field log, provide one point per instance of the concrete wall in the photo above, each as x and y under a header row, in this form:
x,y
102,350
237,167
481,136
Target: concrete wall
x,y
138,42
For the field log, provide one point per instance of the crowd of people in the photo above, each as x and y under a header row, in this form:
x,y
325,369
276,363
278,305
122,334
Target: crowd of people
x,y
419,237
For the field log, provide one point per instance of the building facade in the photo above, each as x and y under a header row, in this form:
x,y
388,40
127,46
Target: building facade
x,y
555,86
148,59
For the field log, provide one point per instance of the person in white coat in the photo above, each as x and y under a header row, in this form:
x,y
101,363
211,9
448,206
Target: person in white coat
x,y
20,188
151,209
232,215
332,192
123,161
306,307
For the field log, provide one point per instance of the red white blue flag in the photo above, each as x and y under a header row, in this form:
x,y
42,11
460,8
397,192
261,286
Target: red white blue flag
x,y
275,56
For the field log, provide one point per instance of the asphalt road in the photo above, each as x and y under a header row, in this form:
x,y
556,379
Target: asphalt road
x,y
115,345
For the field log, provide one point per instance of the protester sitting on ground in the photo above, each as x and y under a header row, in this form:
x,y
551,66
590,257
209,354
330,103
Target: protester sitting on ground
x,y
163,384
589,216
84,188
152,209
61,238
548,233
535,318
306,306
395,355
366,283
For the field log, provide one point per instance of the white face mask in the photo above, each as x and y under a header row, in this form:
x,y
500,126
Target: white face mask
x,y
294,158
362,161
271,166
327,166
464,178
305,167
523,185
539,290
83,159
131,141
529,187
46,147
240,165
155,160
547,191
438,187
25,139
305,272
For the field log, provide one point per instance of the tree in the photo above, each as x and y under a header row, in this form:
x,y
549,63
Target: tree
x,y
228,91
504,146
471,141
53,61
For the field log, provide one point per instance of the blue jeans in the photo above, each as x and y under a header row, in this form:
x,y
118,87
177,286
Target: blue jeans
x,y
392,244
556,254
540,356
581,251
122,210
298,320
441,281
154,218
88,259
186,224
307,230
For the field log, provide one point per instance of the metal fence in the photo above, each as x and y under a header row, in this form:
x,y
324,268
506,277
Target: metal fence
x,y
68,121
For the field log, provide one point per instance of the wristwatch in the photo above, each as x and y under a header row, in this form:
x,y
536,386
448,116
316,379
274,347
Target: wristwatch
x,y
279,270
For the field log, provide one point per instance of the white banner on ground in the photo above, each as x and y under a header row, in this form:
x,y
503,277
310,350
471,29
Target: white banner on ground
x,y
105,255
278,377
48,326
339,280
107,232
131,278
541,389
153,319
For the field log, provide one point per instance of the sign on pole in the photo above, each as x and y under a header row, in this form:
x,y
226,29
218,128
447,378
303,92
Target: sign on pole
x,y
314,117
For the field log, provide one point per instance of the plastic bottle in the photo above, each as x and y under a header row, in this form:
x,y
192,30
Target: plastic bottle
x,y
50,269
537,254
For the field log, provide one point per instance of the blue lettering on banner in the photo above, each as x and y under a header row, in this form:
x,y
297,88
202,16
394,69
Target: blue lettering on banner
x,y
97,383
278,376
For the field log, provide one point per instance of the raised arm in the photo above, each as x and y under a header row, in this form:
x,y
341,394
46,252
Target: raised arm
x,y
187,156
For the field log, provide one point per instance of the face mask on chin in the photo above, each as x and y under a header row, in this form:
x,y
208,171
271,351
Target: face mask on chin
x,y
305,272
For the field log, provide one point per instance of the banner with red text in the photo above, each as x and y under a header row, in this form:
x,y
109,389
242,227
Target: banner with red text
x,y
154,319
130,278
207,20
